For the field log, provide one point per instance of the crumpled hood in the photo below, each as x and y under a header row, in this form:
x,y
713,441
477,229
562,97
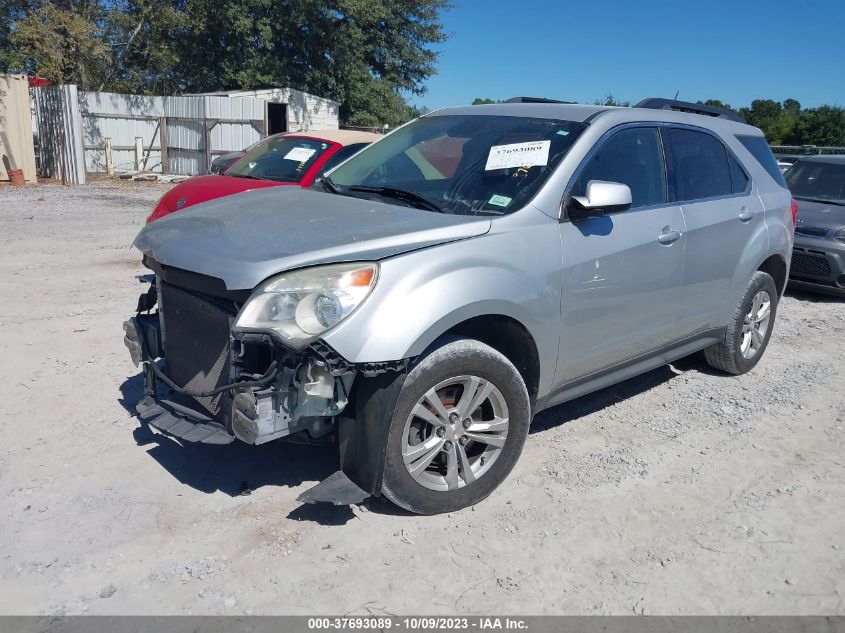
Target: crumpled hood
x,y
822,215
245,239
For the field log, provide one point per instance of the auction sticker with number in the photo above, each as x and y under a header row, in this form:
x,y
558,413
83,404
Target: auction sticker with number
x,y
531,154
300,154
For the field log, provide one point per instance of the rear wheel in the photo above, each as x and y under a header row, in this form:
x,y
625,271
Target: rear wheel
x,y
458,428
748,334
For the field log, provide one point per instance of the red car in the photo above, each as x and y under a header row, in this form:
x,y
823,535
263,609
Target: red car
x,y
281,159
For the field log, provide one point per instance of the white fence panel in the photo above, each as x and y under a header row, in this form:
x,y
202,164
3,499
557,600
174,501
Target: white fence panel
x,y
121,118
186,135
232,137
237,119
121,104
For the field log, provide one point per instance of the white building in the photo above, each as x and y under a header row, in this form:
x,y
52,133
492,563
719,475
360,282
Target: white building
x,y
290,110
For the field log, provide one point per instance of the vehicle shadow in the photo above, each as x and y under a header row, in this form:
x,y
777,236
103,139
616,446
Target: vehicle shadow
x,y
813,297
235,468
239,469
599,400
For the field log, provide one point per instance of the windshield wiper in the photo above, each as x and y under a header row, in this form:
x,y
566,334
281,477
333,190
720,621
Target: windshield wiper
x,y
401,194
328,184
250,177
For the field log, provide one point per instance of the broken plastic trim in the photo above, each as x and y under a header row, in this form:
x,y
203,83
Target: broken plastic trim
x,y
268,377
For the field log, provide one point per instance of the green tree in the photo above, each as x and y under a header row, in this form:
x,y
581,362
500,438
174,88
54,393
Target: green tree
x,y
610,100
715,103
777,120
485,101
63,42
765,114
366,54
824,125
792,106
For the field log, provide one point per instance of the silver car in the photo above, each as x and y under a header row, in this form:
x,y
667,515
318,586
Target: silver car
x,y
474,267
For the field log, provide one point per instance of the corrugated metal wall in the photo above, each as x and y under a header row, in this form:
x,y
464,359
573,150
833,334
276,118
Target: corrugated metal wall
x,y
186,139
194,128
120,118
59,126
185,119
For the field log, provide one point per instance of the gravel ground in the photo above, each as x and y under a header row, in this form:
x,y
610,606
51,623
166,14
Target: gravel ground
x,y
681,491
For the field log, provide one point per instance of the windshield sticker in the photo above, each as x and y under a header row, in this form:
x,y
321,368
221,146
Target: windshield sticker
x,y
531,154
499,201
300,154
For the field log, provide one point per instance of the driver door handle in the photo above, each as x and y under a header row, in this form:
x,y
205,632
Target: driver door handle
x,y
668,235
745,215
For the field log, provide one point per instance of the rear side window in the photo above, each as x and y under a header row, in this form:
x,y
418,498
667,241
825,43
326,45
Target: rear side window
x,y
760,150
701,165
739,179
341,155
633,157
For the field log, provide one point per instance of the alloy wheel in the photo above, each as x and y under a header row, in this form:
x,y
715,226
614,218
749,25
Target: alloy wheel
x,y
756,325
455,433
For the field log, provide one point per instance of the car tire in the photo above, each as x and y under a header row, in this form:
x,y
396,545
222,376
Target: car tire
x,y
744,342
471,460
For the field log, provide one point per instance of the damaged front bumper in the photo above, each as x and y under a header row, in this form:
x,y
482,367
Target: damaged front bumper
x,y
203,383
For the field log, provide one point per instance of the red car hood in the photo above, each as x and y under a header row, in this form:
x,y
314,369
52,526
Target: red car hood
x,y
203,188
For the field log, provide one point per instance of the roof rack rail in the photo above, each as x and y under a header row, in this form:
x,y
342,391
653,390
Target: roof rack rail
x,y
657,103
534,100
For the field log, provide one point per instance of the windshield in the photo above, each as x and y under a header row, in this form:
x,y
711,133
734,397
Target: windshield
x,y
282,158
810,180
465,164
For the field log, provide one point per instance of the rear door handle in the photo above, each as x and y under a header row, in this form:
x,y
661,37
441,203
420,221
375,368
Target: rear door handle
x,y
668,235
745,215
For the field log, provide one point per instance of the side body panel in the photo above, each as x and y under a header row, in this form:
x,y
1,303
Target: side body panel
x,y
776,202
723,252
621,288
514,271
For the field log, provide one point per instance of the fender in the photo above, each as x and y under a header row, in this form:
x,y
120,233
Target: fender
x,y
753,255
781,238
422,294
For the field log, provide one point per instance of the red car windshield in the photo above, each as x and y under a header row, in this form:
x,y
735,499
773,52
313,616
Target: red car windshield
x,y
282,158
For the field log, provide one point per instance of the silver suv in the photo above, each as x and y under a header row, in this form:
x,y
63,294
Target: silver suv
x,y
466,271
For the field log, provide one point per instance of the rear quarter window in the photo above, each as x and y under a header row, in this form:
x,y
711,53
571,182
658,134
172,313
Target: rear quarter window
x,y
760,150
739,181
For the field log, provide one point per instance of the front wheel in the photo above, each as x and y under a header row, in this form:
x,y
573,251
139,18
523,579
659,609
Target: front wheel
x,y
748,334
459,426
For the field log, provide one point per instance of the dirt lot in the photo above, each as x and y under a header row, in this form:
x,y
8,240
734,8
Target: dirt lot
x,y
682,491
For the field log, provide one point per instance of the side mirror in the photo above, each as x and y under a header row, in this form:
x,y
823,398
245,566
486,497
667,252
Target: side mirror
x,y
603,198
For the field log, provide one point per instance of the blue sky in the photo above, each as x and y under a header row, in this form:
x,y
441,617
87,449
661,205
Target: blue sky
x,y
579,51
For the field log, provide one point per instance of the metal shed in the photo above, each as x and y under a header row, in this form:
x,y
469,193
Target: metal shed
x,y
289,110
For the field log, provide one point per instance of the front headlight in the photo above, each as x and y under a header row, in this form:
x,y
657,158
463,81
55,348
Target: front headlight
x,y
303,304
839,236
